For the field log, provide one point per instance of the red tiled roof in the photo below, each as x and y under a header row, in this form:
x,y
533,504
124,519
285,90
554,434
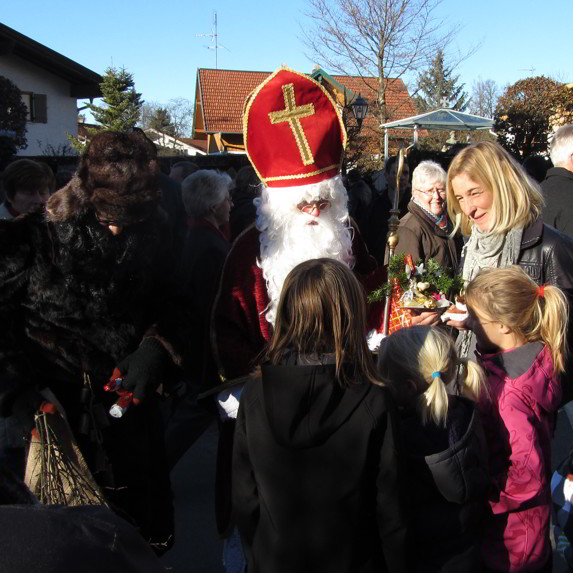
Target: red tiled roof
x,y
398,102
223,94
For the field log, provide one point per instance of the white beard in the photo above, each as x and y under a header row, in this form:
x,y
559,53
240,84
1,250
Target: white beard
x,y
287,239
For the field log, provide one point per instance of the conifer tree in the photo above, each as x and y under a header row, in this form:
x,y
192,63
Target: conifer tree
x,y
12,113
438,87
121,107
122,104
161,121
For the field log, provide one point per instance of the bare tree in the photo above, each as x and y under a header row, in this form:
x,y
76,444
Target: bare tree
x,y
485,94
179,112
380,39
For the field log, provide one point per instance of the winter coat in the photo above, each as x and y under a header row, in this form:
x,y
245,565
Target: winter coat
x,y
63,318
243,213
315,474
518,422
202,261
546,255
423,239
446,480
558,190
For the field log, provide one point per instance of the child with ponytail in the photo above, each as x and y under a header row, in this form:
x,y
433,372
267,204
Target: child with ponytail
x,y
445,459
520,333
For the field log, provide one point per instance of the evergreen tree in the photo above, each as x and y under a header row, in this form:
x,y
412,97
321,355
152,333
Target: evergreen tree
x,y
12,114
438,87
161,121
121,109
122,104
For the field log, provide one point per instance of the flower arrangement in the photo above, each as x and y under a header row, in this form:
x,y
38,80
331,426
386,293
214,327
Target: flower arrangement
x,y
419,284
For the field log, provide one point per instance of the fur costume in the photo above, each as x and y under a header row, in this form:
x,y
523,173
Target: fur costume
x,y
118,177
76,300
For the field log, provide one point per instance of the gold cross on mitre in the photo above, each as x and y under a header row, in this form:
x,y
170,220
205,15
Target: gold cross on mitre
x,y
293,115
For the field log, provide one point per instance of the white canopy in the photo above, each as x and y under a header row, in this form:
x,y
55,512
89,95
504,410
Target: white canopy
x,y
444,119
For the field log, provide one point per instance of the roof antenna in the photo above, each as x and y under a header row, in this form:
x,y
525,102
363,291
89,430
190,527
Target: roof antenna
x,y
213,35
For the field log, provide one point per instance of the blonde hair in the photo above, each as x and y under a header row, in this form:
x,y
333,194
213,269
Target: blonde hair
x,y
509,296
322,309
517,199
419,362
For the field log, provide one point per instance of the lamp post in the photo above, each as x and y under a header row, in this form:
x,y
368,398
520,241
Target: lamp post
x,y
359,110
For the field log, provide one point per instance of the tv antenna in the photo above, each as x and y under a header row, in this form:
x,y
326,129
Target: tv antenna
x,y
531,70
214,39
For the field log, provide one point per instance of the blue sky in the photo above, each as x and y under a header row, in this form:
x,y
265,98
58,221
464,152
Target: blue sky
x,y
157,42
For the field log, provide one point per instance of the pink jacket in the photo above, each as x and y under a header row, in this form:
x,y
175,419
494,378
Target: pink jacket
x,y
518,424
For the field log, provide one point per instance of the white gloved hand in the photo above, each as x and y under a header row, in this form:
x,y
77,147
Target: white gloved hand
x,y
374,339
568,490
228,403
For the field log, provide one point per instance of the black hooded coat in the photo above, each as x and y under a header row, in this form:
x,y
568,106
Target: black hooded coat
x,y
315,474
446,482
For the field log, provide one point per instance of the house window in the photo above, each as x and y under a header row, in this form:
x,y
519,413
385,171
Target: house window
x,y
36,106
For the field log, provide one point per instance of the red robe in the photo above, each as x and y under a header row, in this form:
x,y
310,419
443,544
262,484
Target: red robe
x,y
240,328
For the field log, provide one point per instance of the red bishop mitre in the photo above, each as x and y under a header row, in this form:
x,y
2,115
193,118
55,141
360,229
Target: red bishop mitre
x,y
293,131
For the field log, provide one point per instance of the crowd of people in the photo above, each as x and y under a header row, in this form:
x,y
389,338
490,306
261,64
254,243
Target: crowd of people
x,y
174,300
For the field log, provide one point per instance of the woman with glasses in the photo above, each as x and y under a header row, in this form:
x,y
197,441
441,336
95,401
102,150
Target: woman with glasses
x,y
426,231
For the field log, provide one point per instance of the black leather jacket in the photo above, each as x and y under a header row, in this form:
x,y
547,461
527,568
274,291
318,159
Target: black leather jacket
x,y
546,255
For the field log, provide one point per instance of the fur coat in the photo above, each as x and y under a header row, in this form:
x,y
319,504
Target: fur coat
x,y
75,300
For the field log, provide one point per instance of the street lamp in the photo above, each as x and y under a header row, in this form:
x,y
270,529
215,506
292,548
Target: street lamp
x,y
359,110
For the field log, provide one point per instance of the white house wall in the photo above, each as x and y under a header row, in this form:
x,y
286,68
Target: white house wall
x,y
61,108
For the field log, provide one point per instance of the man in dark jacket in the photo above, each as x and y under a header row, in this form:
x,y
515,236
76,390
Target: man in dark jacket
x,y
558,184
83,290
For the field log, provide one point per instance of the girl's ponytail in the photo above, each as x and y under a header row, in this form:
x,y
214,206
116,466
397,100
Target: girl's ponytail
x,y
471,379
435,401
553,318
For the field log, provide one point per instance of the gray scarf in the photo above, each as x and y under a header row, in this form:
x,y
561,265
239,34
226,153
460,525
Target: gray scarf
x,y
486,250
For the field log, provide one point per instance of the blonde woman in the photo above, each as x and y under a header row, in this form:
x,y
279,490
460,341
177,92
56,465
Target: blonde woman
x,y
500,211
521,334
444,453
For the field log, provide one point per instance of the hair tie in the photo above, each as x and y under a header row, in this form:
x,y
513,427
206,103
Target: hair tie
x,y
541,291
436,375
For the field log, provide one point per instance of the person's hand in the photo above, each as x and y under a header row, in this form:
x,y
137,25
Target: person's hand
x,y
144,370
228,403
425,318
460,324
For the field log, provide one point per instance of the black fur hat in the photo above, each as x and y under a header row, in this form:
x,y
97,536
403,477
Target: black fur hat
x,y
118,177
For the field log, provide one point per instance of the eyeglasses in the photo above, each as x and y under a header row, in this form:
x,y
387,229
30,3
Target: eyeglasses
x,y
308,208
429,192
